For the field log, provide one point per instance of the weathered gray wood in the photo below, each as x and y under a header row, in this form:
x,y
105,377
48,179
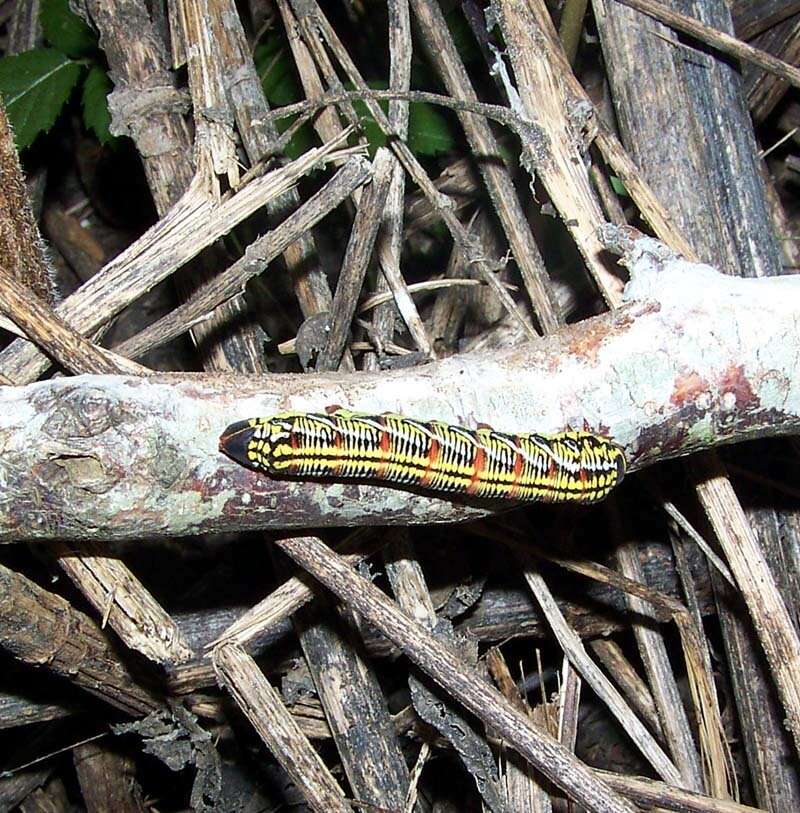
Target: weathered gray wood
x,y
685,120
686,124
764,90
751,17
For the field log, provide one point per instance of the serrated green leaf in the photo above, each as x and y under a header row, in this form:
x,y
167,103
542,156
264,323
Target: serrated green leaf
x,y
94,101
65,30
35,85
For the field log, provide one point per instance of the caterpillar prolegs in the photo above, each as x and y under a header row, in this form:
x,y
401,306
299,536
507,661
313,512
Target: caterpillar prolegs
x,y
570,466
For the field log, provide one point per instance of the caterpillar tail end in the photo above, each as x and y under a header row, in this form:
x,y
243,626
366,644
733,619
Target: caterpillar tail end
x,y
235,442
622,466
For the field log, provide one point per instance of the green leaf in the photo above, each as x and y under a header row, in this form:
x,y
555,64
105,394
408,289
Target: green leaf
x,y
35,86
276,71
429,132
618,186
95,104
462,36
281,86
65,30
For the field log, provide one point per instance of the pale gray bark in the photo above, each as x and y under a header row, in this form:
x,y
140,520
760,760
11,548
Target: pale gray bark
x,y
111,457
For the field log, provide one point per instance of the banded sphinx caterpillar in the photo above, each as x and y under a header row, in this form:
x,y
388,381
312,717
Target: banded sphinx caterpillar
x,y
571,466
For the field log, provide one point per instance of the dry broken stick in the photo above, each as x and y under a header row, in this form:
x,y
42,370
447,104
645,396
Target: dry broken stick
x,y
258,136
771,617
262,251
717,39
159,436
433,706
390,242
356,261
573,647
195,222
524,788
123,602
239,674
42,629
294,593
661,679
230,335
553,149
107,779
499,715
634,689
458,679
310,58
499,614
42,325
496,175
315,26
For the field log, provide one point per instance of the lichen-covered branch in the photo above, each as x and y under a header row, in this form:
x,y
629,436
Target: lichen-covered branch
x,y
99,457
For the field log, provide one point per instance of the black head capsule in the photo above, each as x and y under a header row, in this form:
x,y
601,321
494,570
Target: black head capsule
x,y
237,442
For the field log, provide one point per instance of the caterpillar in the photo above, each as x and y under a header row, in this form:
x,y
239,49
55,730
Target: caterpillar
x,y
571,466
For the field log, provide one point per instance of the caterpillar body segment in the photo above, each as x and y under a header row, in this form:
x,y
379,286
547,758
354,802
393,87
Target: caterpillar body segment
x,y
571,466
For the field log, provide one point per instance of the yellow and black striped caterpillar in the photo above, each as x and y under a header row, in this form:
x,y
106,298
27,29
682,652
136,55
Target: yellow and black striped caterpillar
x,y
566,467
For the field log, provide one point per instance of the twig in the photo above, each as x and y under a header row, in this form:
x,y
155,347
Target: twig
x,y
431,285
314,24
39,627
195,222
570,28
261,252
294,593
496,176
609,144
553,144
610,654
123,602
47,330
717,39
356,259
238,673
767,608
549,756
574,649
541,388
661,679
653,794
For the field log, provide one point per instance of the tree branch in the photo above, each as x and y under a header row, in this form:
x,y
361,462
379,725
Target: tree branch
x,y
102,457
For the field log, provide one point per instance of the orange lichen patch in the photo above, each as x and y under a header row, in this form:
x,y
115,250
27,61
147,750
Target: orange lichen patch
x,y
688,388
733,380
587,340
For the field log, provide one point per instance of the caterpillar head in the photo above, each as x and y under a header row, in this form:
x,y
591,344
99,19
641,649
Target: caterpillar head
x,y
258,443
